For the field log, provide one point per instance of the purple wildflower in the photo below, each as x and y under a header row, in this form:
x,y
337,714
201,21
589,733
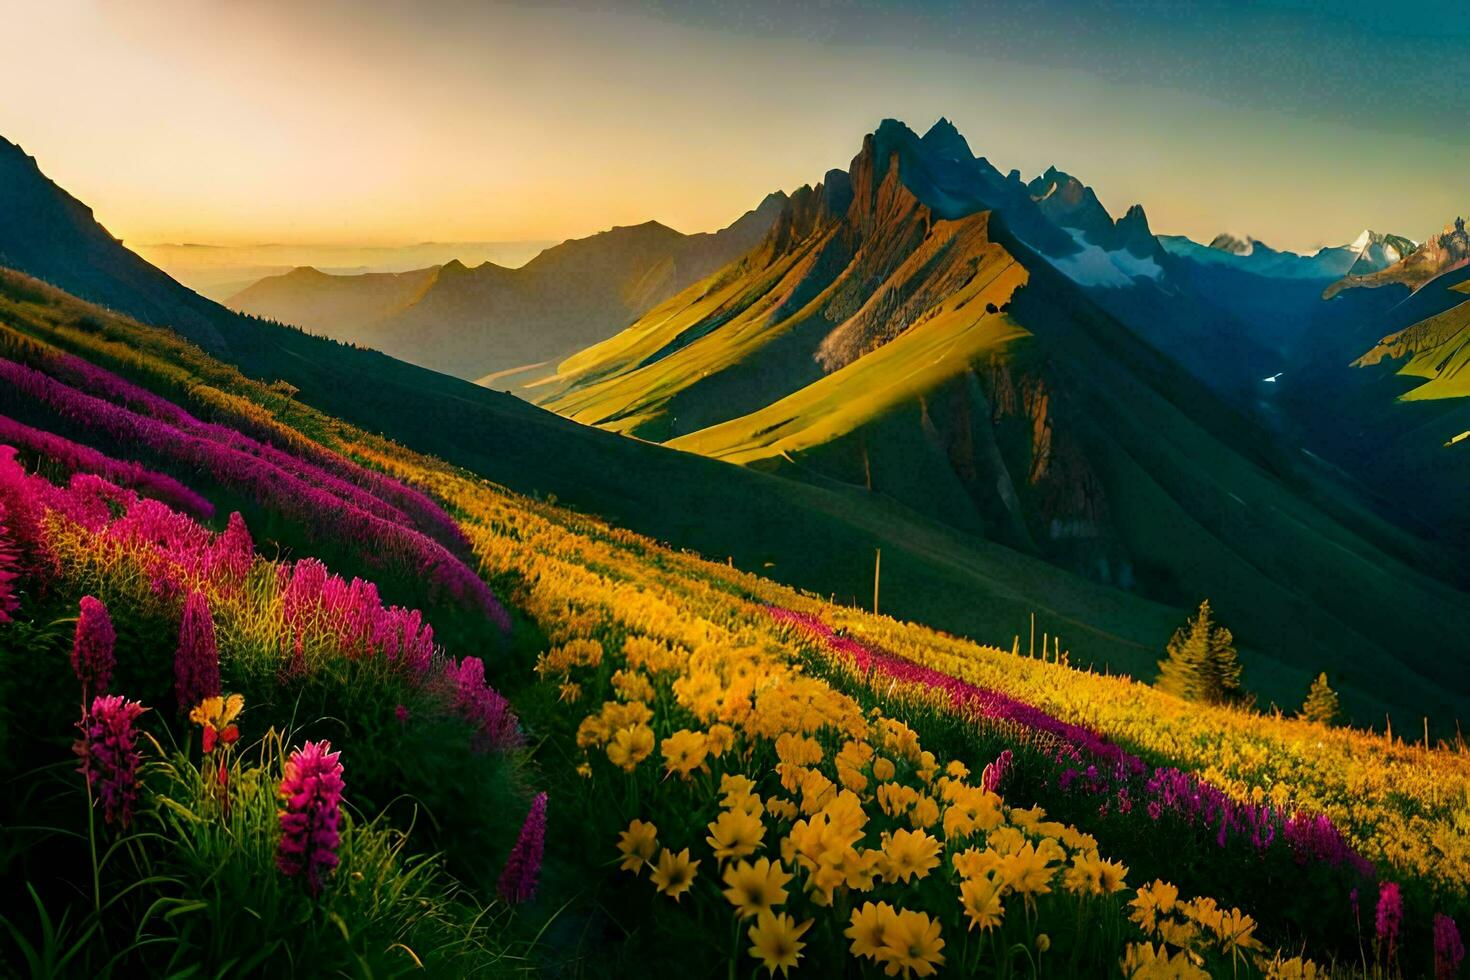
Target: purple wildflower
x,y
496,725
996,771
196,663
523,867
1449,951
312,791
77,458
109,757
1390,913
401,713
92,657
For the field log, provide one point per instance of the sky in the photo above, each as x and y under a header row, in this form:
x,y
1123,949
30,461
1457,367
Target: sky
x,y
378,123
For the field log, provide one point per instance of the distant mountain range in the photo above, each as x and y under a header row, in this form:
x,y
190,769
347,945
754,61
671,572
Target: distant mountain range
x,y
1370,252
491,322
221,271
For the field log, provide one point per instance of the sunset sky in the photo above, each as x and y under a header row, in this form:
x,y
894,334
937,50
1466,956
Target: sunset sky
x,y
370,122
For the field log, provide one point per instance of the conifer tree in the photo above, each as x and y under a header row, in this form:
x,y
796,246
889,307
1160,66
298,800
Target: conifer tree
x,y
1201,663
1321,704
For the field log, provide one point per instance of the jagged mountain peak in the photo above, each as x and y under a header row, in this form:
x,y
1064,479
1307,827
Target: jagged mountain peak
x,y
945,140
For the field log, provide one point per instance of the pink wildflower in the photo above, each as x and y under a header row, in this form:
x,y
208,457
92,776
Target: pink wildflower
x,y
1390,913
234,550
523,867
996,771
196,662
312,791
109,757
92,657
496,725
1449,951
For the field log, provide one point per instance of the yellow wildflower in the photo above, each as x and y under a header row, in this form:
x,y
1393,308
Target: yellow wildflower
x,y
1027,871
674,874
720,739
981,899
910,854
630,746
684,751
1152,902
1143,962
869,927
912,946
755,888
775,940
735,834
638,844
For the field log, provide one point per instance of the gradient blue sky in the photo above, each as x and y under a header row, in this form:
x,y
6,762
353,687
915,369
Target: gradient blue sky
x,y
380,122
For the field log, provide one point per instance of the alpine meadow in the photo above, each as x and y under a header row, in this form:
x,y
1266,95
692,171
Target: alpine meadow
x,y
620,489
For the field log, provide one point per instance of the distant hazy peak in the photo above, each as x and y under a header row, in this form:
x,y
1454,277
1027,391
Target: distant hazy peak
x,y
1235,245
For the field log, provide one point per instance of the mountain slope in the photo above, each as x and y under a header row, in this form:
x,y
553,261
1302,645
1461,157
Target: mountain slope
x,y
873,340
489,321
1436,349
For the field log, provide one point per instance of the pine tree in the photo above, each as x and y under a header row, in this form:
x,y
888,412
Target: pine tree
x,y
1321,704
1201,663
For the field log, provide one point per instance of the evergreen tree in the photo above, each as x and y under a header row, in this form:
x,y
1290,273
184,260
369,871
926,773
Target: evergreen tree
x,y
1201,663
1321,704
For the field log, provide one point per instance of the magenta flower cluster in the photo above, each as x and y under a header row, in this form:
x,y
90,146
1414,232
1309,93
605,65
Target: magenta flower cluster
x,y
196,662
311,792
324,505
1449,950
1389,915
181,557
92,655
496,726
77,458
109,755
318,603
523,867
426,514
995,773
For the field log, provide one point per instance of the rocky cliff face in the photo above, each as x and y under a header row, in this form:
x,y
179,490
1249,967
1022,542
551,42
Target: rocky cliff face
x,y
1441,253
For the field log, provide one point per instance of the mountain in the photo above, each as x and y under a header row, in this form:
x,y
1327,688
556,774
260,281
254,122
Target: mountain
x,y
1436,349
1442,253
886,340
490,322
1370,252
